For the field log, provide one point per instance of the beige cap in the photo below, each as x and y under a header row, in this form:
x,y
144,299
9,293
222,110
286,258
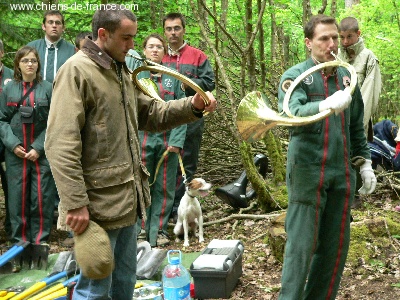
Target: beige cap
x,y
93,252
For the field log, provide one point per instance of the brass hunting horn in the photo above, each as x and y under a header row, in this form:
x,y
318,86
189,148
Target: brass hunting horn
x,y
255,116
148,87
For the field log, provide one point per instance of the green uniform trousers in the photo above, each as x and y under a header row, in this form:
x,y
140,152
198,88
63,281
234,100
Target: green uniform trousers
x,y
31,198
318,228
162,191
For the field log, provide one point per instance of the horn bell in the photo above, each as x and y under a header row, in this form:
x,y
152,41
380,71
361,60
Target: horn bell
x,y
146,88
255,117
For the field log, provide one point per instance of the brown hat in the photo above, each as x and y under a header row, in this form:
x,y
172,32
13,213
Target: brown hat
x,y
93,252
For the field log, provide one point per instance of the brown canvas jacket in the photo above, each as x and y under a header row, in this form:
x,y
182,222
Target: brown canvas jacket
x,y
92,138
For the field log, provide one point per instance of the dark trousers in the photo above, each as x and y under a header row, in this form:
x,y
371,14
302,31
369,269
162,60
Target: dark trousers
x,y
31,198
7,224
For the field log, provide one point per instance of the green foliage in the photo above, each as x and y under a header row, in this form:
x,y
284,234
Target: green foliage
x,y
379,22
379,25
397,285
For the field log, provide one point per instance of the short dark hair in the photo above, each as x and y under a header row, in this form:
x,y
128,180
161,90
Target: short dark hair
x,y
52,13
173,16
349,23
309,28
81,36
110,19
24,51
157,36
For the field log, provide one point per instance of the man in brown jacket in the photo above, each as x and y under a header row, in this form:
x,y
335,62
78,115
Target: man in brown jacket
x,y
93,147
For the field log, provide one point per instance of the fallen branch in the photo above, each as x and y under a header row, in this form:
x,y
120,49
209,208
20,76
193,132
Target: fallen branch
x,y
257,237
390,236
241,216
252,204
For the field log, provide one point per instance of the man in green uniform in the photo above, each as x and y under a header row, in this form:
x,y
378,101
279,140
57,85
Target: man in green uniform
x,y
53,50
320,176
194,64
153,146
6,76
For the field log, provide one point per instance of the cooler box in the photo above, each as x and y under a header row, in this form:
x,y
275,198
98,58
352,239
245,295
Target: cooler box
x,y
217,270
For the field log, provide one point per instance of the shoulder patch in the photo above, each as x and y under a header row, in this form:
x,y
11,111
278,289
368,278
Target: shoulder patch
x,y
286,84
168,82
346,81
7,81
308,80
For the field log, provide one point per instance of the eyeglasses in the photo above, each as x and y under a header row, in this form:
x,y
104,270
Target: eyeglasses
x,y
151,47
176,28
51,22
26,61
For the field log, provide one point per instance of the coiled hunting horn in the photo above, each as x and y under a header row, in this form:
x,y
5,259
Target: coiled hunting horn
x,y
148,87
255,117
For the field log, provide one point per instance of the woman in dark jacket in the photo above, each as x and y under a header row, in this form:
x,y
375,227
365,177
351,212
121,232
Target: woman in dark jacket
x,y
24,106
153,146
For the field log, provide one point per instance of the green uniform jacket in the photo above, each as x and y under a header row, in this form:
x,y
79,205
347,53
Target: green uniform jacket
x,y
12,133
305,101
6,75
169,88
92,140
131,62
369,76
55,59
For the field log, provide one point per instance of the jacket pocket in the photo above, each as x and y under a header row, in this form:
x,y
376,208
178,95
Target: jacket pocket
x,y
313,128
42,108
144,176
102,142
113,202
13,102
108,176
303,183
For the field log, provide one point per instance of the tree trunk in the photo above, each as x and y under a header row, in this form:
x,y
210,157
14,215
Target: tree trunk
x,y
251,64
243,59
306,16
262,52
348,3
333,8
154,16
266,202
204,18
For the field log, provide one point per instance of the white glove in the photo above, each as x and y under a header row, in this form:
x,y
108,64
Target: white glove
x,y
368,178
339,101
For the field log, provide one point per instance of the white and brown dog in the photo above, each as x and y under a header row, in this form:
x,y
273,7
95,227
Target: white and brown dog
x,y
189,211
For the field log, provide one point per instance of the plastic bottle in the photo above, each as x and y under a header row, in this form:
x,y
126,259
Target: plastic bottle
x,y
176,279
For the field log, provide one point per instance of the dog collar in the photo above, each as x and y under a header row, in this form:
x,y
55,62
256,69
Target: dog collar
x,y
188,192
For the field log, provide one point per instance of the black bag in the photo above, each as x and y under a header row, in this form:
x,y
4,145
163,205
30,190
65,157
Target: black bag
x,y
26,111
26,114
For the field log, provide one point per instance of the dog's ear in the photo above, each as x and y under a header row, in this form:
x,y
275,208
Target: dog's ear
x,y
195,184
